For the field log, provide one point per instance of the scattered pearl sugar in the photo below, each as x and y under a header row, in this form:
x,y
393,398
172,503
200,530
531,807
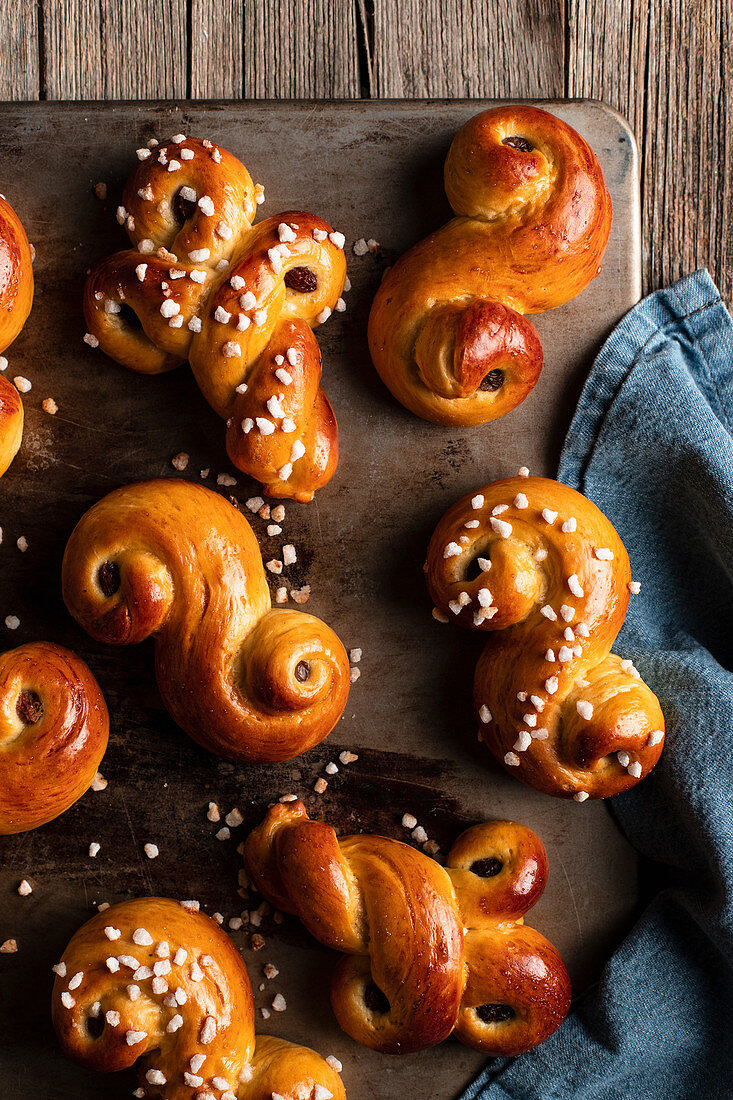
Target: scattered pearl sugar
x,y
574,585
409,821
151,850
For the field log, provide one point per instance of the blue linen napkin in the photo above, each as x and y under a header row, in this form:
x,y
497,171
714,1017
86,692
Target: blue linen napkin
x,y
651,444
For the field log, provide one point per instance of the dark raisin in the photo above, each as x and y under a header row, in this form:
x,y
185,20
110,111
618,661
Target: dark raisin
x,y
494,380
302,671
95,1026
108,578
494,1014
128,316
183,209
486,868
29,708
519,143
374,999
301,279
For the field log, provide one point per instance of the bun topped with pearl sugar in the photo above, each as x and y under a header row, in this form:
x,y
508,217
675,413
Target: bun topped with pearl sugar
x,y
155,982
238,301
447,330
540,566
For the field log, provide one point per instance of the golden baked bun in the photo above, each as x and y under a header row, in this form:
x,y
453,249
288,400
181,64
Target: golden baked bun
x,y
53,734
174,561
447,331
238,301
16,298
150,981
428,950
16,275
11,423
540,566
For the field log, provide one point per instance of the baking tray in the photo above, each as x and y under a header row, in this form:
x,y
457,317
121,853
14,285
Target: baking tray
x,y
373,169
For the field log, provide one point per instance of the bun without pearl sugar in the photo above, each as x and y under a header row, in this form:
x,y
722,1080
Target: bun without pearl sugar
x,y
427,951
174,561
53,734
155,982
238,301
16,298
447,331
540,566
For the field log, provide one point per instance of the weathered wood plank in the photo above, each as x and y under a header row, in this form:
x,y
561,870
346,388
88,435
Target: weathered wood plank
x,y
217,49
606,54
19,68
295,49
687,155
665,67
115,49
468,48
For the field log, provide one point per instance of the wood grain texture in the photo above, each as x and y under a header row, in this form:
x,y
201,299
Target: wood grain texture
x,y
667,68
20,52
217,49
426,48
300,49
115,49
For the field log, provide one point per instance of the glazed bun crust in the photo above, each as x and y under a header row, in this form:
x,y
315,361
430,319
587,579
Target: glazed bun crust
x,y
174,561
16,298
539,567
53,734
152,982
238,300
16,275
447,331
426,950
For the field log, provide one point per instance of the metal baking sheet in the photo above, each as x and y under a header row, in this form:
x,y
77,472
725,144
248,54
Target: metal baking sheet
x,y
373,169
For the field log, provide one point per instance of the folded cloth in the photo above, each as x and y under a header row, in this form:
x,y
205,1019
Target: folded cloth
x,y
651,444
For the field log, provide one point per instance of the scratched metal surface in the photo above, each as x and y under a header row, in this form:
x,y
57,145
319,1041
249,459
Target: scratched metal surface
x,y
374,170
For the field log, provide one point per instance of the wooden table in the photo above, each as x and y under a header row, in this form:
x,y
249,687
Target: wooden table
x,y
665,64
